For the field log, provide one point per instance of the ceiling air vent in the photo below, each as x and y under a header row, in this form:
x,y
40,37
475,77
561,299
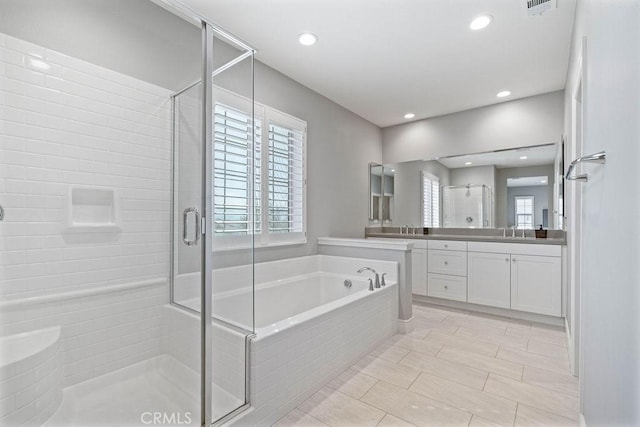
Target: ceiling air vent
x,y
538,7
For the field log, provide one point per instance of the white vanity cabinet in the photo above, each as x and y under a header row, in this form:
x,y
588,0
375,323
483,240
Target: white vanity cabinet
x,y
447,269
536,284
419,268
524,277
489,279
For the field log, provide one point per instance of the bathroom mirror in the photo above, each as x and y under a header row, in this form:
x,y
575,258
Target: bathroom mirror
x,y
521,187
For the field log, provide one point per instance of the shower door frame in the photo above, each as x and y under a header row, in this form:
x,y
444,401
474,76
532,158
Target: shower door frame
x,y
208,31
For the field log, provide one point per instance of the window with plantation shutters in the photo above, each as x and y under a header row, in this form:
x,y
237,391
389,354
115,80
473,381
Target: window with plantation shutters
x,y
430,200
259,174
286,179
236,192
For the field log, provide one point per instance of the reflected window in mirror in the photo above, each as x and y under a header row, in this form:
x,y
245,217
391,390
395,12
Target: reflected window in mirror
x,y
430,200
524,212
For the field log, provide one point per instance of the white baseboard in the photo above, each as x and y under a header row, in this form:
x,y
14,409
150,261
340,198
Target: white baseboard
x,y
532,317
583,423
405,326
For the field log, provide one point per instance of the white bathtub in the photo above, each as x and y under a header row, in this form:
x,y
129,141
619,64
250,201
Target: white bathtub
x,y
309,327
30,376
284,303
287,291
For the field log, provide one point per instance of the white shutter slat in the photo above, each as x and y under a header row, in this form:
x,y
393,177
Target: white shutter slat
x,y
286,179
234,161
430,200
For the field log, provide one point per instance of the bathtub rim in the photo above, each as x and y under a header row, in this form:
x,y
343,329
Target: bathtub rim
x,y
301,318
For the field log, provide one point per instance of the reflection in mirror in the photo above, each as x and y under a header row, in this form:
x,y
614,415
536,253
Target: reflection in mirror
x,y
388,179
481,190
375,191
467,206
381,193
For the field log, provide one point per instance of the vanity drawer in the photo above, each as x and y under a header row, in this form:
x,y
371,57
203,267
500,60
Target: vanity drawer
x,y
447,262
448,287
448,245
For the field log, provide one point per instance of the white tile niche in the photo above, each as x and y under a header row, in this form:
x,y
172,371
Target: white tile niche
x,y
93,209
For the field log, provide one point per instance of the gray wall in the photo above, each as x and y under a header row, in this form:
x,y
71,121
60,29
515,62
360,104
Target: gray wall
x,y
110,34
485,175
541,198
610,330
504,217
519,123
408,189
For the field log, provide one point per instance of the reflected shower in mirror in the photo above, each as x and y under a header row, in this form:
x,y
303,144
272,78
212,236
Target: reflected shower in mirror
x,y
520,188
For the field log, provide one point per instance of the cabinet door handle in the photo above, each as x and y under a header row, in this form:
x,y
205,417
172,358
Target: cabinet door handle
x,y
446,286
506,259
446,246
446,263
514,260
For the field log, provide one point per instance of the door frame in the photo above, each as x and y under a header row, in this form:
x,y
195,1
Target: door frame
x,y
575,243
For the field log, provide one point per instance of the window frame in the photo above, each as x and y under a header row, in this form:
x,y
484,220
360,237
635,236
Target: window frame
x,y
265,116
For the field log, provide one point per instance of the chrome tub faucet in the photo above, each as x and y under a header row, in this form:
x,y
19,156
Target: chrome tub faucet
x,y
374,272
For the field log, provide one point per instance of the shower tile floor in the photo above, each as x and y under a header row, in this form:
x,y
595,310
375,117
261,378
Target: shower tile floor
x,y
122,397
456,368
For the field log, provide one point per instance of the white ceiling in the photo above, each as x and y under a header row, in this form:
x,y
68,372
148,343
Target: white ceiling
x,y
384,58
535,156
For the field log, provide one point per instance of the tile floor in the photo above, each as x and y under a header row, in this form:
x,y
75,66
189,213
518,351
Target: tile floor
x,y
456,368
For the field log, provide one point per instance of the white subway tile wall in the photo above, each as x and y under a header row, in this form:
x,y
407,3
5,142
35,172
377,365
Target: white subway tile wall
x,y
77,124
63,123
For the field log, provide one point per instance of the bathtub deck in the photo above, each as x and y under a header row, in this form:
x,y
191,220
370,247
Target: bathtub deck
x,y
456,368
120,398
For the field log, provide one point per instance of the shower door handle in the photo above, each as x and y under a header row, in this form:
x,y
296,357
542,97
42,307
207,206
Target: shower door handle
x,y
185,223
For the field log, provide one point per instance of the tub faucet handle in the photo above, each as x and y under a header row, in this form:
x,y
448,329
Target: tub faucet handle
x,y
382,283
370,284
377,281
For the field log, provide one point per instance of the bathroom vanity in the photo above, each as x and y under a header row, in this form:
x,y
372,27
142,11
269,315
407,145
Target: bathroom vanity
x,y
522,275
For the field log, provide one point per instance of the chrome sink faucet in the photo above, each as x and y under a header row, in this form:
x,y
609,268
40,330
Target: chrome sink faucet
x,y
374,272
513,232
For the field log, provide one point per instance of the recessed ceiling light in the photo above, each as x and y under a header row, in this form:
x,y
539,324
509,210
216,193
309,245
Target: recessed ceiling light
x,y
523,157
468,163
409,116
307,39
481,22
503,94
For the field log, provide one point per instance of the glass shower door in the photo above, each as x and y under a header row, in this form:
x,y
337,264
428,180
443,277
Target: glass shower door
x,y
213,220
231,219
